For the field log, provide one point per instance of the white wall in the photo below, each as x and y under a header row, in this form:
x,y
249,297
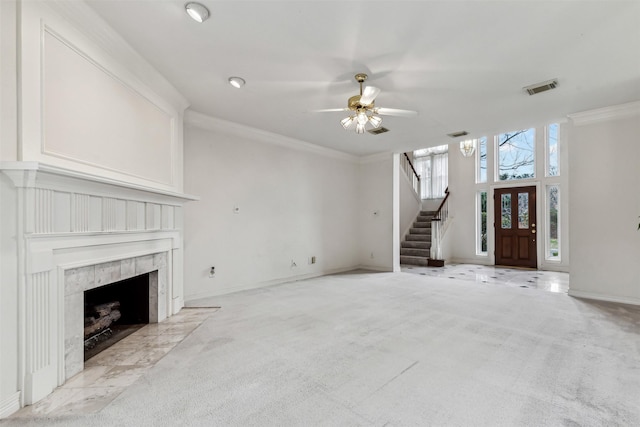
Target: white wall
x,y
8,83
462,209
375,218
9,395
292,203
605,204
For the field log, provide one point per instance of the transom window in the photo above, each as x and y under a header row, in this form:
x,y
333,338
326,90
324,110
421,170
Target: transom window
x,y
516,155
553,164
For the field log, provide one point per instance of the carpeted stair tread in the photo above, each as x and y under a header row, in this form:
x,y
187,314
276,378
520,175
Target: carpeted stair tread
x,y
425,253
415,244
414,260
421,224
420,231
418,237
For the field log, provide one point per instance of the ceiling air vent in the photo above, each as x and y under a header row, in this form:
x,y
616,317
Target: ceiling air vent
x,y
458,134
378,131
541,87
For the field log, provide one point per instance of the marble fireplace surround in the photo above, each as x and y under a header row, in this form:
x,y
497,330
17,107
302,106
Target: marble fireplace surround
x,y
80,279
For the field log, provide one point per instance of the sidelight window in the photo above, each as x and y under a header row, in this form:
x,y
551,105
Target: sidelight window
x,y
553,219
481,223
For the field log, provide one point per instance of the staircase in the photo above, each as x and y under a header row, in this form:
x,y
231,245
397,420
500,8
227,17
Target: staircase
x,y
416,248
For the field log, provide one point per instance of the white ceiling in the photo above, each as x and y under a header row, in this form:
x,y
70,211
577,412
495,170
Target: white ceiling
x,y
461,64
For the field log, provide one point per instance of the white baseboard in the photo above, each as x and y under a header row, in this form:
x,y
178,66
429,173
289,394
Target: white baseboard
x,y
9,405
478,261
602,297
191,300
177,304
373,268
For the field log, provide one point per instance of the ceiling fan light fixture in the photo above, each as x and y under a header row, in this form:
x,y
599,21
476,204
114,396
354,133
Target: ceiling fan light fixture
x,y
362,110
375,121
362,118
236,82
346,122
197,11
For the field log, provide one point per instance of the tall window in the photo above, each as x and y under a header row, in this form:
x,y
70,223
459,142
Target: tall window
x,y
516,155
432,164
553,219
553,165
482,161
482,223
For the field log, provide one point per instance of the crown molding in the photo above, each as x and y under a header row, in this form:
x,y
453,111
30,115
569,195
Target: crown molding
x,y
613,112
202,121
375,158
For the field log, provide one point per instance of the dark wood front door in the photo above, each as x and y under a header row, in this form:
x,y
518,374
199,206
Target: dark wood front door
x,y
515,225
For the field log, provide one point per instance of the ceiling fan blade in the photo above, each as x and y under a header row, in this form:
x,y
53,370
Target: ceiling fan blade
x,y
369,95
396,112
329,110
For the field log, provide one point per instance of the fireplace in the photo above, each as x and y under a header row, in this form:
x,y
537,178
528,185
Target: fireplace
x,y
114,311
139,284
68,232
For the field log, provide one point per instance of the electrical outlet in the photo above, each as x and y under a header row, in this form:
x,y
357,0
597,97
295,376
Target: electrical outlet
x,y
293,264
372,255
312,260
212,272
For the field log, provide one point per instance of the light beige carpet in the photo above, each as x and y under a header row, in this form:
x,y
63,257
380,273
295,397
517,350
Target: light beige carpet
x,y
392,350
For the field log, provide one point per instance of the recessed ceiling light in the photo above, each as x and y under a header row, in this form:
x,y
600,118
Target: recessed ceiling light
x,y
236,82
197,11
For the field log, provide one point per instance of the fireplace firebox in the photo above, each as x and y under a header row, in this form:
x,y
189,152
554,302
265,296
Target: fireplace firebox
x,y
114,311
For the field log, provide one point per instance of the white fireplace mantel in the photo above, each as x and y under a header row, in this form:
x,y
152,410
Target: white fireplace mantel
x,y
26,174
64,220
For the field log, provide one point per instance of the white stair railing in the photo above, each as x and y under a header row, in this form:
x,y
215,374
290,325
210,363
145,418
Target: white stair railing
x,y
439,224
406,164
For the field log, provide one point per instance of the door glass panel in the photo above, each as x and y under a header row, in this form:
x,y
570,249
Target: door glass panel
x,y
523,210
506,211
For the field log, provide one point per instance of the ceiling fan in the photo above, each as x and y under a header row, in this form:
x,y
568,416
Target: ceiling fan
x,y
362,109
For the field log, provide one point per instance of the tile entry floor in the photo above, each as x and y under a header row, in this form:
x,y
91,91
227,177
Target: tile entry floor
x,y
551,281
110,372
